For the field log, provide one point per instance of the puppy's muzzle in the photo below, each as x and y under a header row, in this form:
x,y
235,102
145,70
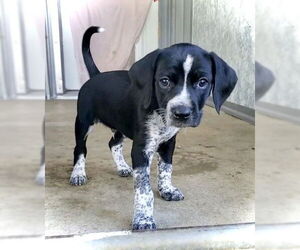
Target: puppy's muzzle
x,y
184,116
181,113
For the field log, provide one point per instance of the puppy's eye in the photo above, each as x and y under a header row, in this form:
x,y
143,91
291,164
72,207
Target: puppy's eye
x,y
202,83
164,82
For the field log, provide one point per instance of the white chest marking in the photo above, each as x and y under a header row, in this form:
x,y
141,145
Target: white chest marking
x,y
157,132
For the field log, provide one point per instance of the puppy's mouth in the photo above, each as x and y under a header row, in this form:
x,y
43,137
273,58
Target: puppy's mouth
x,y
183,122
179,124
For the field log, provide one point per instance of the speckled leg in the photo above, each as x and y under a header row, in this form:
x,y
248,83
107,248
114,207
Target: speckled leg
x,y
143,200
164,172
143,195
166,190
78,176
116,147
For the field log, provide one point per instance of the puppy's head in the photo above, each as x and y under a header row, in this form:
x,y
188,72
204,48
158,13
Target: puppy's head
x,y
179,79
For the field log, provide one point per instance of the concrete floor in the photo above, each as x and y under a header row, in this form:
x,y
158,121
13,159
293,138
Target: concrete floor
x,y
277,157
22,200
213,166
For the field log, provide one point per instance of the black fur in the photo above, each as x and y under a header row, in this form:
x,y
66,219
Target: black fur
x,y
87,57
224,81
123,100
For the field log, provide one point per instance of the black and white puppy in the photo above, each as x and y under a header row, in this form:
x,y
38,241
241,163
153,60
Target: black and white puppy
x,y
161,93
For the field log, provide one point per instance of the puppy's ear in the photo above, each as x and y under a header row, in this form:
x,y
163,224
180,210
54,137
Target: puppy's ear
x,y
142,75
224,80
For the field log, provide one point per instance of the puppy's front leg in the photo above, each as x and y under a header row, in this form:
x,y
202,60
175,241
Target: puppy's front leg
x,y
143,197
164,169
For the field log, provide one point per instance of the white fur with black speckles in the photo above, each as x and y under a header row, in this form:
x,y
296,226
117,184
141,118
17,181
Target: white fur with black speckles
x,y
164,181
117,154
158,132
143,199
78,176
164,176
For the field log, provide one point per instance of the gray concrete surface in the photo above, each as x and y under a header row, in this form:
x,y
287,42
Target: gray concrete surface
x,y
213,166
277,157
21,199
210,237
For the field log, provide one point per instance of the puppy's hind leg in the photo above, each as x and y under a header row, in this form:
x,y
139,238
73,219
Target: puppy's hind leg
x,y
78,176
116,146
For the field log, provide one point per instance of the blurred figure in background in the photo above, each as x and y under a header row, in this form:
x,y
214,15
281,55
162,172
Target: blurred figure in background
x,y
122,20
264,79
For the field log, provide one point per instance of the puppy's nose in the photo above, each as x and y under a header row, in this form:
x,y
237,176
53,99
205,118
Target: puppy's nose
x,y
181,112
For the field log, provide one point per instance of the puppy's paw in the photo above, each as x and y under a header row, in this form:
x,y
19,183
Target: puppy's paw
x,y
145,223
78,180
125,172
173,194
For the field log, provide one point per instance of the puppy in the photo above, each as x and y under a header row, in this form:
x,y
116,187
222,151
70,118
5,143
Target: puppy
x,y
161,93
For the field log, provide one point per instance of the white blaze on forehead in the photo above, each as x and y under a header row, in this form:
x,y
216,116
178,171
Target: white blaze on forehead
x,y
184,95
187,65
183,98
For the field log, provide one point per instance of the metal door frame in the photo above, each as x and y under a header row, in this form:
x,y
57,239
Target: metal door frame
x,y
175,22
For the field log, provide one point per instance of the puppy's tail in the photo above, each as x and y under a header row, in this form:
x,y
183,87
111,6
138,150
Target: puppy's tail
x,y
87,57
